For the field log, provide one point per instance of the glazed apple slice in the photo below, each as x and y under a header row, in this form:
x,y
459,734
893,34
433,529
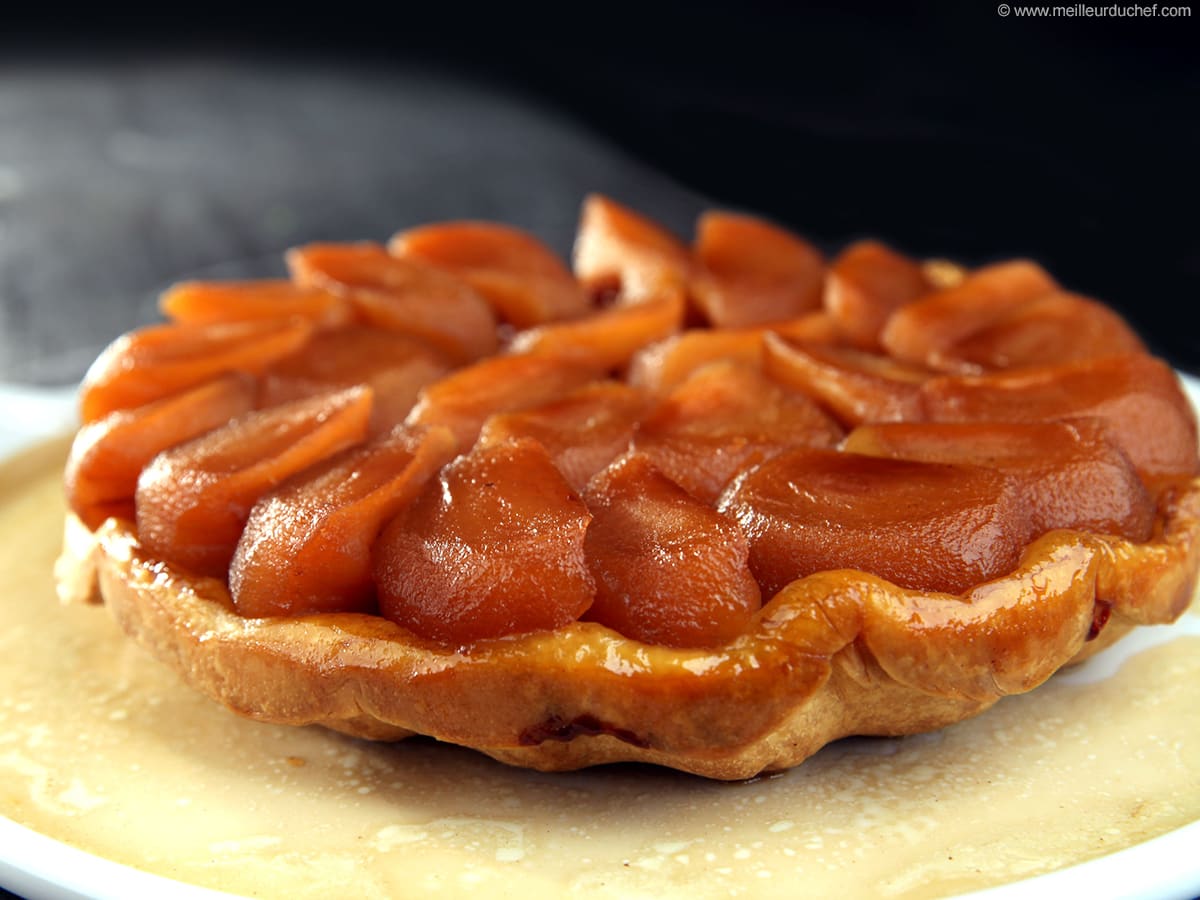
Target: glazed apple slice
x,y
523,280
108,455
395,367
855,386
866,283
609,339
669,570
1137,397
159,360
923,526
663,366
726,418
1054,328
621,252
944,273
583,431
492,547
306,547
206,302
401,295
751,272
463,400
923,331
1070,474
193,500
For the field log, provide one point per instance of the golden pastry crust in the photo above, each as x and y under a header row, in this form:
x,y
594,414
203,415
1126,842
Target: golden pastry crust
x,y
836,653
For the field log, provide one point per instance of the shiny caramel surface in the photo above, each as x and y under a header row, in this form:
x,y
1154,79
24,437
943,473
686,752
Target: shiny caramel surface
x,y
104,749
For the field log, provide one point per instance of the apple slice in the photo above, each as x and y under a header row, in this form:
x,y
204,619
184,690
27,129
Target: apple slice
x,y
206,302
108,455
1137,397
622,252
866,284
492,547
583,431
923,526
1071,475
395,367
923,331
751,272
665,365
523,280
465,398
1054,328
401,295
154,362
855,386
669,570
608,340
193,500
726,418
306,547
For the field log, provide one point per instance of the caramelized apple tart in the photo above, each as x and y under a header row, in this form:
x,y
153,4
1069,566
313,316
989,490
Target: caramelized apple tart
x,y
708,507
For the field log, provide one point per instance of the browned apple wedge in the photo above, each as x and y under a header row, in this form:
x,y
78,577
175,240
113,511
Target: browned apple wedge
x,y
1053,328
751,272
855,386
402,295
609,339
395,367
924,526
523,280
108,455
193,500
159,360
622,252
1070,473
1137,397
922,332
465,398
724,419
944,273
306,547
669,569
205,302
665,365
583,431
866,283
492,547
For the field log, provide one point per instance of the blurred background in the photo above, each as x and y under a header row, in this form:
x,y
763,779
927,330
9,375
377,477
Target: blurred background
x,y
134,152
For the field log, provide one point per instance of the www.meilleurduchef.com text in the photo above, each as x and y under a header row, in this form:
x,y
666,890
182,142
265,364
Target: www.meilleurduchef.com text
x,y
1092,11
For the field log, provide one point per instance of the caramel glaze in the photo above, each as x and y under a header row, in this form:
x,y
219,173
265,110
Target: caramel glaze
x,y
1035,503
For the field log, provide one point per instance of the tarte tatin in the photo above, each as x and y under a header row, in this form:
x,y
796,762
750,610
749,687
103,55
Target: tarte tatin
x,y
706,506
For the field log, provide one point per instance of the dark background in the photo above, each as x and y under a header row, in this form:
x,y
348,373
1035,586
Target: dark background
x,y
137,150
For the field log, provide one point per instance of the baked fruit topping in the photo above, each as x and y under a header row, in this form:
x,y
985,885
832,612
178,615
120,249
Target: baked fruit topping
x,y
494,546
669,569
707,506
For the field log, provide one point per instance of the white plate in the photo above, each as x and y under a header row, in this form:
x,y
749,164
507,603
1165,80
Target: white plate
x,y
739,826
